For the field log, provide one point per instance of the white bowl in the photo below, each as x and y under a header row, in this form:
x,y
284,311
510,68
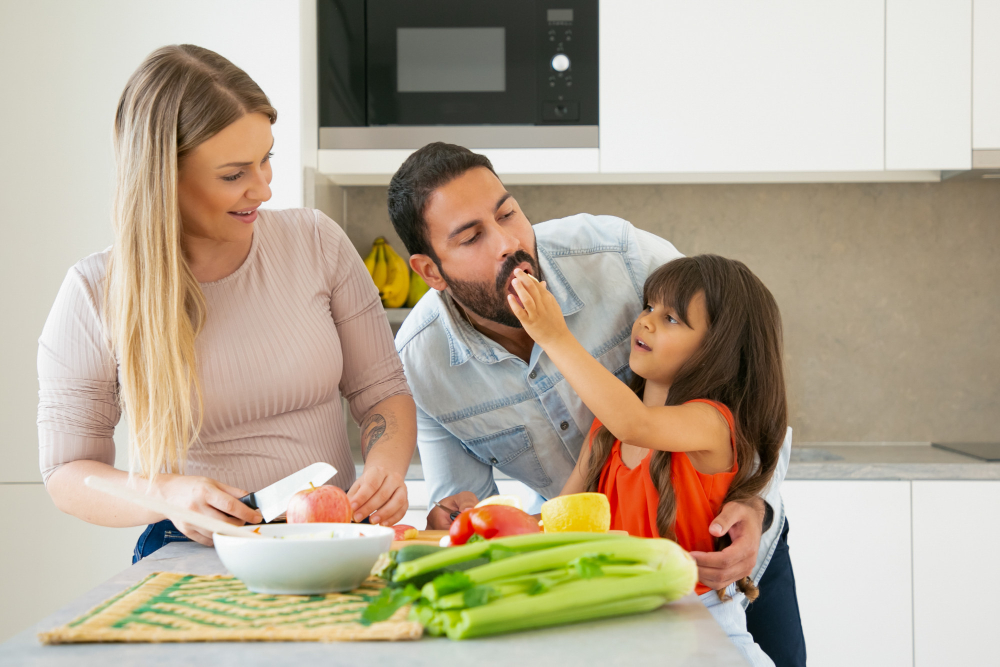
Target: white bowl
x,y
304,566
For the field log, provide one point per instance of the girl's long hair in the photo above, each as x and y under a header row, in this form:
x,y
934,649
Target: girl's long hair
x,y
154,308
738,364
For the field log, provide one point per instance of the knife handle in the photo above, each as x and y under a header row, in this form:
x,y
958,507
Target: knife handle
x,y
249,501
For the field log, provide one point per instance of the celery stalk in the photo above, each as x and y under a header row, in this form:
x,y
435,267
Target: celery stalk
x,y
578,600
467,626
531,542
656,553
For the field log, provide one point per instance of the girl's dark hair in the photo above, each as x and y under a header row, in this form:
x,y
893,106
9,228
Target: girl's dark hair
x,y
738,364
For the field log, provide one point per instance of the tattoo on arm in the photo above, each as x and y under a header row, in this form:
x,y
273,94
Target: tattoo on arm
x,y
372,429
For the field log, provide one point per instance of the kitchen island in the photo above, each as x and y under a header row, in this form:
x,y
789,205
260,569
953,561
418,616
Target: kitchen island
x,y
682,633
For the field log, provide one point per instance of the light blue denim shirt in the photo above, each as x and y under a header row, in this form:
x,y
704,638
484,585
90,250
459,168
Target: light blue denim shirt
x,y
479,407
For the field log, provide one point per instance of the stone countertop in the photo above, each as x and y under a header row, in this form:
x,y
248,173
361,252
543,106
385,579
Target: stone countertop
x,y
837,460
682,633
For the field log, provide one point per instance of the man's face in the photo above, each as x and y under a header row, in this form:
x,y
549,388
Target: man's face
x,y
480,236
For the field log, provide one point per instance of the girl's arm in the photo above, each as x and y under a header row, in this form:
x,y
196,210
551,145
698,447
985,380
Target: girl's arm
x,y
680,428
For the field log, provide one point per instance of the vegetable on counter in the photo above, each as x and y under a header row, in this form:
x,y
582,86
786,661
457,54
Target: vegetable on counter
x,y
534,581
491,521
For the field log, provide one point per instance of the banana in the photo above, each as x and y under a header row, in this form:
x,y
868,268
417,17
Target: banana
x,y
417,289
370,259
381,269
397,285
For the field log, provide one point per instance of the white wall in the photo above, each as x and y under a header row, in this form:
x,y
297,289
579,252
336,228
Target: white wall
x,y
62,68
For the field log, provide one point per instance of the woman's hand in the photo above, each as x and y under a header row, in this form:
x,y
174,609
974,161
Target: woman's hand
x,y
205,496
538,311
380,495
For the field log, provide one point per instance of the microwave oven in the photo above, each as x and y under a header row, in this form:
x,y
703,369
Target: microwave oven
x,y
510,73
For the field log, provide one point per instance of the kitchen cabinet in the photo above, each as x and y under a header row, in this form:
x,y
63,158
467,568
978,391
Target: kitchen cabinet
x,y
928,84
850,548
956,542
986,75
719,86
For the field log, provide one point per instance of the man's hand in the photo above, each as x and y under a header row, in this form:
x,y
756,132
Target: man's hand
x,y
743,523
439,518
380,495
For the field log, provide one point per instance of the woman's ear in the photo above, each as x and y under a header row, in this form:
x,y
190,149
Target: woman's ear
x,y
427,269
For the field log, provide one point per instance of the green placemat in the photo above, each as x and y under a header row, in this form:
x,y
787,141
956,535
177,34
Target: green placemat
x,y
171,607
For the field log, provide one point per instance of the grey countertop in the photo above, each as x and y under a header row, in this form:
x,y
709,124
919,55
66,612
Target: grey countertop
x,y
682,633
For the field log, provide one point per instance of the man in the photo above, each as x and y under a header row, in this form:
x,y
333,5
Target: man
x,y
487,397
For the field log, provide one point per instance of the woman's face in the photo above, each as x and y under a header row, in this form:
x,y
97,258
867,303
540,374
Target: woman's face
x,y
223,181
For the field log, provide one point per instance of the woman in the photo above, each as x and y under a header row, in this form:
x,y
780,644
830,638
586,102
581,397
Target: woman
x,y
227,333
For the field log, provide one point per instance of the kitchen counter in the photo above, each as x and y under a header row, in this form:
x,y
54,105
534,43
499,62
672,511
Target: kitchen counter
x,y
683,633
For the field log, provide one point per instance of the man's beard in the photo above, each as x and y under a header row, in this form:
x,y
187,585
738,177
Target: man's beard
x,y
490,301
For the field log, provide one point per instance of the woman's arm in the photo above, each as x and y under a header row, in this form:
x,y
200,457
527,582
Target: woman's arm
x,y
200,494
388,437
677,428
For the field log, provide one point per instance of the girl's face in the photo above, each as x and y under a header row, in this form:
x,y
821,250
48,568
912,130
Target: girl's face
x,y
662,342
223,181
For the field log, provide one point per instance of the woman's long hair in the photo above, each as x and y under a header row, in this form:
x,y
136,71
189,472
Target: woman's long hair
x,y
154,308
738,364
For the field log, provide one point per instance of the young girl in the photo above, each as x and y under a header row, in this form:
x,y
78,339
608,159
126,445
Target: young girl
x,y
703,421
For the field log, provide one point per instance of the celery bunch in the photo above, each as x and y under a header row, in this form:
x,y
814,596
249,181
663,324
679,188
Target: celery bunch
x,y
540,580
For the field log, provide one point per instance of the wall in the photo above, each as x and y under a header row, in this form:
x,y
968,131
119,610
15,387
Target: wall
x,y
63,66
888,292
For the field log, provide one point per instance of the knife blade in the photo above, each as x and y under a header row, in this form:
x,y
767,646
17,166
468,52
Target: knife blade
x,y
272,501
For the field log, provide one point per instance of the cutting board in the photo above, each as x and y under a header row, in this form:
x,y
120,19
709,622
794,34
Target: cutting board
x,y
423,537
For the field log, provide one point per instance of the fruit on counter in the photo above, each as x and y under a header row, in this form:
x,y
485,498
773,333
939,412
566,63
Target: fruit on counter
x,y
404,532
491,521
538,580
389,272
319,504
512,501
577,512
417,289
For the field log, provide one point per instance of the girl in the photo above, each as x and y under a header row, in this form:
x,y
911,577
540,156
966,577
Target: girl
x,y
704,419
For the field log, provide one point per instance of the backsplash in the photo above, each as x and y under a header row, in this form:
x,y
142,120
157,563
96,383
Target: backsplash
x,y
889,293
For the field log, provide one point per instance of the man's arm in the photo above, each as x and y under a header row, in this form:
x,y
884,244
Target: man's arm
x,y
455,480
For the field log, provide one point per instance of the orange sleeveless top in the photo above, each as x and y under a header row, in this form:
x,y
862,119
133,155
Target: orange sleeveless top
x,y
634,498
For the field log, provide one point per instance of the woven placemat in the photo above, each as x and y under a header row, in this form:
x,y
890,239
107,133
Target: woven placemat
x,y
171,607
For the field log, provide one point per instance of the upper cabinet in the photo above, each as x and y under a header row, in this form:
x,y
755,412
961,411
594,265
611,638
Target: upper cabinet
x,y
986,75
928,91
719,86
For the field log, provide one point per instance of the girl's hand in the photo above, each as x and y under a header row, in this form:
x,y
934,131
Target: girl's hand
x,y
538,311
380,495
205,496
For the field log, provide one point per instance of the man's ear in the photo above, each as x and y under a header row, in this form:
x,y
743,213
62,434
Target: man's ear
x,y
425,267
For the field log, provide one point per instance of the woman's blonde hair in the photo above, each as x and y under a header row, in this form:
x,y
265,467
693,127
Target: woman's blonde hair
x,y
179,97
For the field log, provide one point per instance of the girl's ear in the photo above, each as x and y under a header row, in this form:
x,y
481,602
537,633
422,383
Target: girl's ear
x,y
425,267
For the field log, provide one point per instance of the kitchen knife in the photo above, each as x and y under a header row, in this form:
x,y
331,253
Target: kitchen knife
x,y
272,501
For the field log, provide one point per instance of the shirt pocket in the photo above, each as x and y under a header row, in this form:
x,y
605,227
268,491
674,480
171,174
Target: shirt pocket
x,y
511,452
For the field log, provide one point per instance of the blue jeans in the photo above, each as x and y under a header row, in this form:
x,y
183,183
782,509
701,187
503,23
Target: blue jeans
x,y
155,536
773,619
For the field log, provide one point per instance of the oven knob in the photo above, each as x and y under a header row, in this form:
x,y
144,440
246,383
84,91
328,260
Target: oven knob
x,y
560,62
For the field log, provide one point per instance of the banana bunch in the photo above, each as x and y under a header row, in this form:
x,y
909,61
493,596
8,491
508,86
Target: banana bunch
x,y
390,272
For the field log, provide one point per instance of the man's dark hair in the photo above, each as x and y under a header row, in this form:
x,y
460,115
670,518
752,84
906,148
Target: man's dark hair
x,y
425,171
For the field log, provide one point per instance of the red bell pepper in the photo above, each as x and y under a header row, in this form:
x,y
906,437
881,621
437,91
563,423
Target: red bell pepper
x,y
492,521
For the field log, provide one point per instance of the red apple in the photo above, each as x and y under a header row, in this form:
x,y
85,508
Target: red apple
x,y
404,532
322,504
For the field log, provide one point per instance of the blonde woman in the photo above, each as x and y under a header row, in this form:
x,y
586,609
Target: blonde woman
x,y
226,333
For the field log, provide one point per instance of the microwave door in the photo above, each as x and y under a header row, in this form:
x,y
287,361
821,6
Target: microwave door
x,y
451,62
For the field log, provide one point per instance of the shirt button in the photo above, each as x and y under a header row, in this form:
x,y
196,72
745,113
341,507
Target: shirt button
x,y
532,375
494,461
564,425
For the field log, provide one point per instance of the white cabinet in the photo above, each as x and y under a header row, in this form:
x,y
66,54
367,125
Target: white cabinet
x,y
719,86
928,84
986,75
850,549
956,542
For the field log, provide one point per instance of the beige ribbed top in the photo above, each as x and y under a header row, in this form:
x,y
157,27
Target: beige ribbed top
x,y
297,325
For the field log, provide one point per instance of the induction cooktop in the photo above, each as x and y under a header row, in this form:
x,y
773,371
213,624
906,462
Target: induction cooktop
x,y
985,451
